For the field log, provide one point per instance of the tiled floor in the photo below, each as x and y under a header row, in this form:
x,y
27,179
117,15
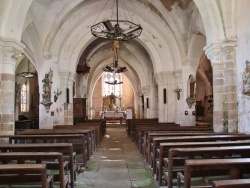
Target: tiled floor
x,y
116,164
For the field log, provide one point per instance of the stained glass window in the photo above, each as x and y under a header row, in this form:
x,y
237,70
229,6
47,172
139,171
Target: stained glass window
x,y
116,89
24,98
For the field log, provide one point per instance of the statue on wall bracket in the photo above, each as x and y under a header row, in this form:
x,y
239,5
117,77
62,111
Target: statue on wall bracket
x,y
46,96
246,79
191,87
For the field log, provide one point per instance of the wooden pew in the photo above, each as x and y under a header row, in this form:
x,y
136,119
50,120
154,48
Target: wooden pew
x,y
238,183
65,148
102,121
157,134
202,152
9,174
205,138
165,147
40,157
207,167
150,136
78,141
130,123
89,134
83,126
96,126
138,129
139,132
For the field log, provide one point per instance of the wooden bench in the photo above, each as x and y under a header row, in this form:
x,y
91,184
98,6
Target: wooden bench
x,y
130,123
139,133
65,148
201,152
205,138
165,147
207,167
89,134
78,141
101,121
39,157
30,173
83,126
150,136
238,183
96,126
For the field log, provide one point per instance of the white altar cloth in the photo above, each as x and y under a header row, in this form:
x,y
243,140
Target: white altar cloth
x,y
113,114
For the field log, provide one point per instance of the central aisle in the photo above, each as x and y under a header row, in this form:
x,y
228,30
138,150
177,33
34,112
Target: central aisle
x,y
116,164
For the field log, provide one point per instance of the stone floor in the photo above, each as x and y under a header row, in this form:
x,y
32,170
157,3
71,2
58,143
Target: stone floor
x,y
116,164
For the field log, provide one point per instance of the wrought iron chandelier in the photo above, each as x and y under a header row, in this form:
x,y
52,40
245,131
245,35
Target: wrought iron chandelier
x,y
27,74
121,30
113,83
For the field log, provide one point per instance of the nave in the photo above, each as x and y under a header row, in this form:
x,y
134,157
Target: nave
x,y
116,163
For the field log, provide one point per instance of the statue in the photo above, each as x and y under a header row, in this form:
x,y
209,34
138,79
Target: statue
x,y
47,81
112,105
46,88
177,91
246,79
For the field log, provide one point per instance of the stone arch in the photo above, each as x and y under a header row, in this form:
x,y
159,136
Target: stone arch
x,y
13,18
213,24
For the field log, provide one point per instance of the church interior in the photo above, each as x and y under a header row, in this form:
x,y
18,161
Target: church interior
x,y
180,62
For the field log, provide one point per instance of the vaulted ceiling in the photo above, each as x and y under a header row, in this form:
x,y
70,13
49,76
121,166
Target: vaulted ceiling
x,y
61,29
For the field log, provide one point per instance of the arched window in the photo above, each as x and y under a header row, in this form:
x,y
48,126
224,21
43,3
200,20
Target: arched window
x,y
107,89
24,98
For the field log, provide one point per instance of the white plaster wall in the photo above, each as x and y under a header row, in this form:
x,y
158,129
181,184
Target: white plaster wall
x,y
46,119
242,55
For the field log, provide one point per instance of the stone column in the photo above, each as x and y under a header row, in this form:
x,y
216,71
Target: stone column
x,y
80,86
10,51
178,83
222,56
146,93
67,79
166,111
230,87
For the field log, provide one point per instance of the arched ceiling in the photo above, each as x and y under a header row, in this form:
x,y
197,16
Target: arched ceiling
x,y
62,28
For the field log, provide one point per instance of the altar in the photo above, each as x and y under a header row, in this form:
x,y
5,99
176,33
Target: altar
x,y
111,109
114,115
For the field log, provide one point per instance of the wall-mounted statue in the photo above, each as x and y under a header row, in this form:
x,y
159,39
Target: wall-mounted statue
x,y
47,84
246,79
191,91
177,91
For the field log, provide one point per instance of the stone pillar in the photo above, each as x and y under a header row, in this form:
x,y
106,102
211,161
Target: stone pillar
x,y
81,86
230,87
178,83
138,109
166,111
67,79
147,101
222,56
9,53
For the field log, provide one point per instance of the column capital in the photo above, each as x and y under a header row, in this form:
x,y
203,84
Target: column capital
x,y
161,78
213,52
10,49
229,50
145,90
